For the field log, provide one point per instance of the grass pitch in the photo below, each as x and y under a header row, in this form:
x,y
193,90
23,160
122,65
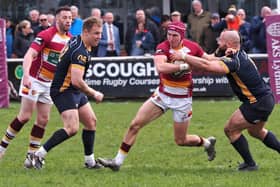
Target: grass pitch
x,y
154,160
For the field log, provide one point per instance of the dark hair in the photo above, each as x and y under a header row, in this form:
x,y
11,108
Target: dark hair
x,y
90,21
63,8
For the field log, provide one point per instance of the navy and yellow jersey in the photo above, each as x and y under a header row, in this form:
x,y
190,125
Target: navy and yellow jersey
x,y
244,78
74,55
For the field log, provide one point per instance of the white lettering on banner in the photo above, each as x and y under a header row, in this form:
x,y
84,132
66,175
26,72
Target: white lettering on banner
x,y
203,80
277,81
124,69
275,48
122,82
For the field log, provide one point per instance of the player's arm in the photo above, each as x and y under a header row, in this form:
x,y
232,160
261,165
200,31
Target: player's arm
x,y
215,66
29,56
163,67
77,80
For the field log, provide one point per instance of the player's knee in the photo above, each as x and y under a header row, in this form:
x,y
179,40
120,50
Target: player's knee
x,y
135,126
227,131
72,131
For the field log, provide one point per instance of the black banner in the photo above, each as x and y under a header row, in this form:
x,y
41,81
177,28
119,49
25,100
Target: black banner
x,y
136,77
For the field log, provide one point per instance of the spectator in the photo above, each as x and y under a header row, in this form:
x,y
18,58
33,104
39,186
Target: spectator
x,y
258,31
9,37
44,24
23,38
142,42
209,35
231,21
149,26
176,16
165,20
244,30
197,21
51,19
34,18
109,44
96,12
77,22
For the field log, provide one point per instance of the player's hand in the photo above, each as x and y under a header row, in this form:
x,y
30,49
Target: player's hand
x,y
98,96
176,56
26,82
230,51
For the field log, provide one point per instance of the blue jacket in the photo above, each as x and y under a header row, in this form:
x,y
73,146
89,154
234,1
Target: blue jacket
x,y
76,27
103,43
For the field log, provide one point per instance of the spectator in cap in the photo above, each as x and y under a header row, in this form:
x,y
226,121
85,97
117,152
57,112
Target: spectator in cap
x,y
209,36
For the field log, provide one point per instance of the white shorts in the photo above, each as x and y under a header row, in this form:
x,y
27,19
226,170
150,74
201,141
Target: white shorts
x,y
181,107
39,91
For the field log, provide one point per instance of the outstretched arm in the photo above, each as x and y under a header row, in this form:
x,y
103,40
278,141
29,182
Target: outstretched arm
x,y
215,66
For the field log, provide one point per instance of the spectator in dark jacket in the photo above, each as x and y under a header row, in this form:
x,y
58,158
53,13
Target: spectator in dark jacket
x,y
244,30
149,26
209,36
258,31
44,24
142,42
23,38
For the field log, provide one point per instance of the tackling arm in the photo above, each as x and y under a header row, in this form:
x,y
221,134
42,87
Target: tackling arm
x,y
215,66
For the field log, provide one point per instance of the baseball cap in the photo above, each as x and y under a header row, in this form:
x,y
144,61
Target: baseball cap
x,y
215,15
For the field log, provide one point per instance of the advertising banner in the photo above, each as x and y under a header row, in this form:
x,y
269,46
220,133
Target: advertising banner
x,y
273,51
136,77
4,92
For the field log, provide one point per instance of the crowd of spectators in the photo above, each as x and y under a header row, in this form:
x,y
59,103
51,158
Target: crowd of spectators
x,y
144,32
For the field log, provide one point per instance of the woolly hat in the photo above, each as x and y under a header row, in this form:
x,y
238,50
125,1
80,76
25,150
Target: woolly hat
x,y
178,27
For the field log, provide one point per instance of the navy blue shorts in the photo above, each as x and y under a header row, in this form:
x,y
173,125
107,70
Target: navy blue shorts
x,y
258,111
69,100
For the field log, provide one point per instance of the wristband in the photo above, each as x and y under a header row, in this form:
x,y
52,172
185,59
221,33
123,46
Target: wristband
x,y
184,66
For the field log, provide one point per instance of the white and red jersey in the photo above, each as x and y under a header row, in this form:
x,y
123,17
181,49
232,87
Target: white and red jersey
x,y
48,44
178,84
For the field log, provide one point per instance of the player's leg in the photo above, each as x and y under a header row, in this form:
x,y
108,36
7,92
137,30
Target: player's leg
x,y
25,113
182,138
262,111
146,113
182,114
233,131
37,132
66,105
88,119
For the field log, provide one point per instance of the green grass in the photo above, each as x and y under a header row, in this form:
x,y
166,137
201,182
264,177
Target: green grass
x,y
155,160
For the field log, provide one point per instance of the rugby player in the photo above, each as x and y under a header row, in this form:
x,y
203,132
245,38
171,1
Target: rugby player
x,y
39,65
69,90
256,97
174,93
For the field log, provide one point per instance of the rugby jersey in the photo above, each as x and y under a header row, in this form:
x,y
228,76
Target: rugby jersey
x,y
178,84
74,55
244,78
48,44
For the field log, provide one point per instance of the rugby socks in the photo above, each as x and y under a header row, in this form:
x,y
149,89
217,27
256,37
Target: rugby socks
x,y
36,136
88,141
271,141
122,153
58,137
242,147
11,133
